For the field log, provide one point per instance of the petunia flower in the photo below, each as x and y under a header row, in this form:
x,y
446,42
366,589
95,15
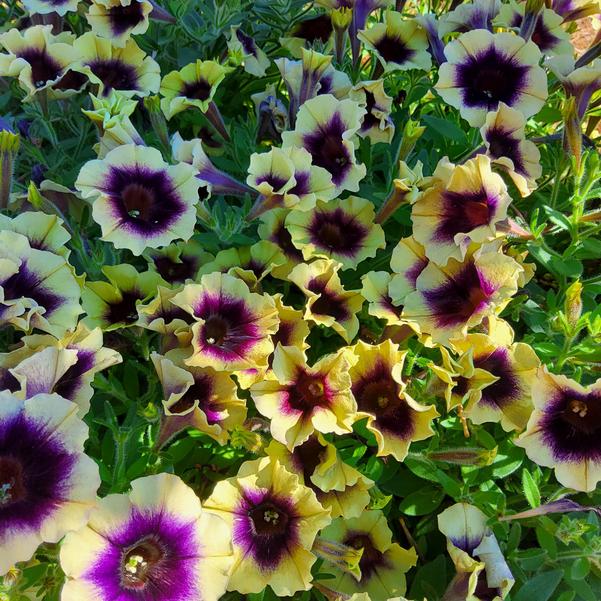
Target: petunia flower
x,y
374,289
563,430
339,487
179,262
155,543
462,207
392,415
44,7
383,564
273,229
40,60
407,262
118,20
37,287
482,572
254,59
504,138
484,69
377,124
113,305
192,86
581,84
128,69
449,300
399,43
140,201
549,35
316,28
65,366
47,484
325,127
328,303
232,326
196,397
44,232
213,179
478,14
492,376
342,230
249,263
273,521
300,399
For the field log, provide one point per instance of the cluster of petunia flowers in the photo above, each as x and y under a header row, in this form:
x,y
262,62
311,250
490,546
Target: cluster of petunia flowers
x,y
224,345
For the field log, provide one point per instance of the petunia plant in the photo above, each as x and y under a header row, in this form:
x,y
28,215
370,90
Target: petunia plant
x,y
300,299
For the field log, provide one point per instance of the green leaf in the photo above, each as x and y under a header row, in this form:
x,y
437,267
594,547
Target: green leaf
x,y
530,488
444,128
580,569
540,588
422,502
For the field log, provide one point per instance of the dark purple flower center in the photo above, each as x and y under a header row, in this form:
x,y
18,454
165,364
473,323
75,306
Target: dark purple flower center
x,y
125,310
44,68
145,200
114,74
337,232
328,303
317,28
140,562
268,520
459,298
71,80
501,144
12,482
327,148
463,212
377,393
26,283
176,272
247,42
283,239
202,391
124,18
307,457
507,388
71,380
215,330
491,77
394,50
197,90
371,559
572,425
308,391
35,471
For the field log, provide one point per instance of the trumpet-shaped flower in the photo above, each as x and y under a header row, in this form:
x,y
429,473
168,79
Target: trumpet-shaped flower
x,y
192,86
484,69
339,487
493,376
383,564
37,287
118,20
563,430
328,303
154,544
47,484
462,208
392,415
325,127
255,61
449,300
399,43
377,124
128,69
273,521
197,397
300,399
505,141
140,201
342,230
232,326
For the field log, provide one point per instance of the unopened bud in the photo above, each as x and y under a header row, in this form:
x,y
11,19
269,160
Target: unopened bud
x,y
342,556
241,438
9,146
341,18
573,303
572,132
464,456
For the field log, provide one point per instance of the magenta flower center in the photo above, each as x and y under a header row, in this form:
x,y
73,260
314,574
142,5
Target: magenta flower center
x,y
307,392
215,330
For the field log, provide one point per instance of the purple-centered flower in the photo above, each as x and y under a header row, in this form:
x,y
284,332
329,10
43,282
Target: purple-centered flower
x,y
47,483
155,544
565,429
273,521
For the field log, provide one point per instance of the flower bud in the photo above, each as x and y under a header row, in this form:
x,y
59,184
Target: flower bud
x,y
9,146
342,556
573,303
464,456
